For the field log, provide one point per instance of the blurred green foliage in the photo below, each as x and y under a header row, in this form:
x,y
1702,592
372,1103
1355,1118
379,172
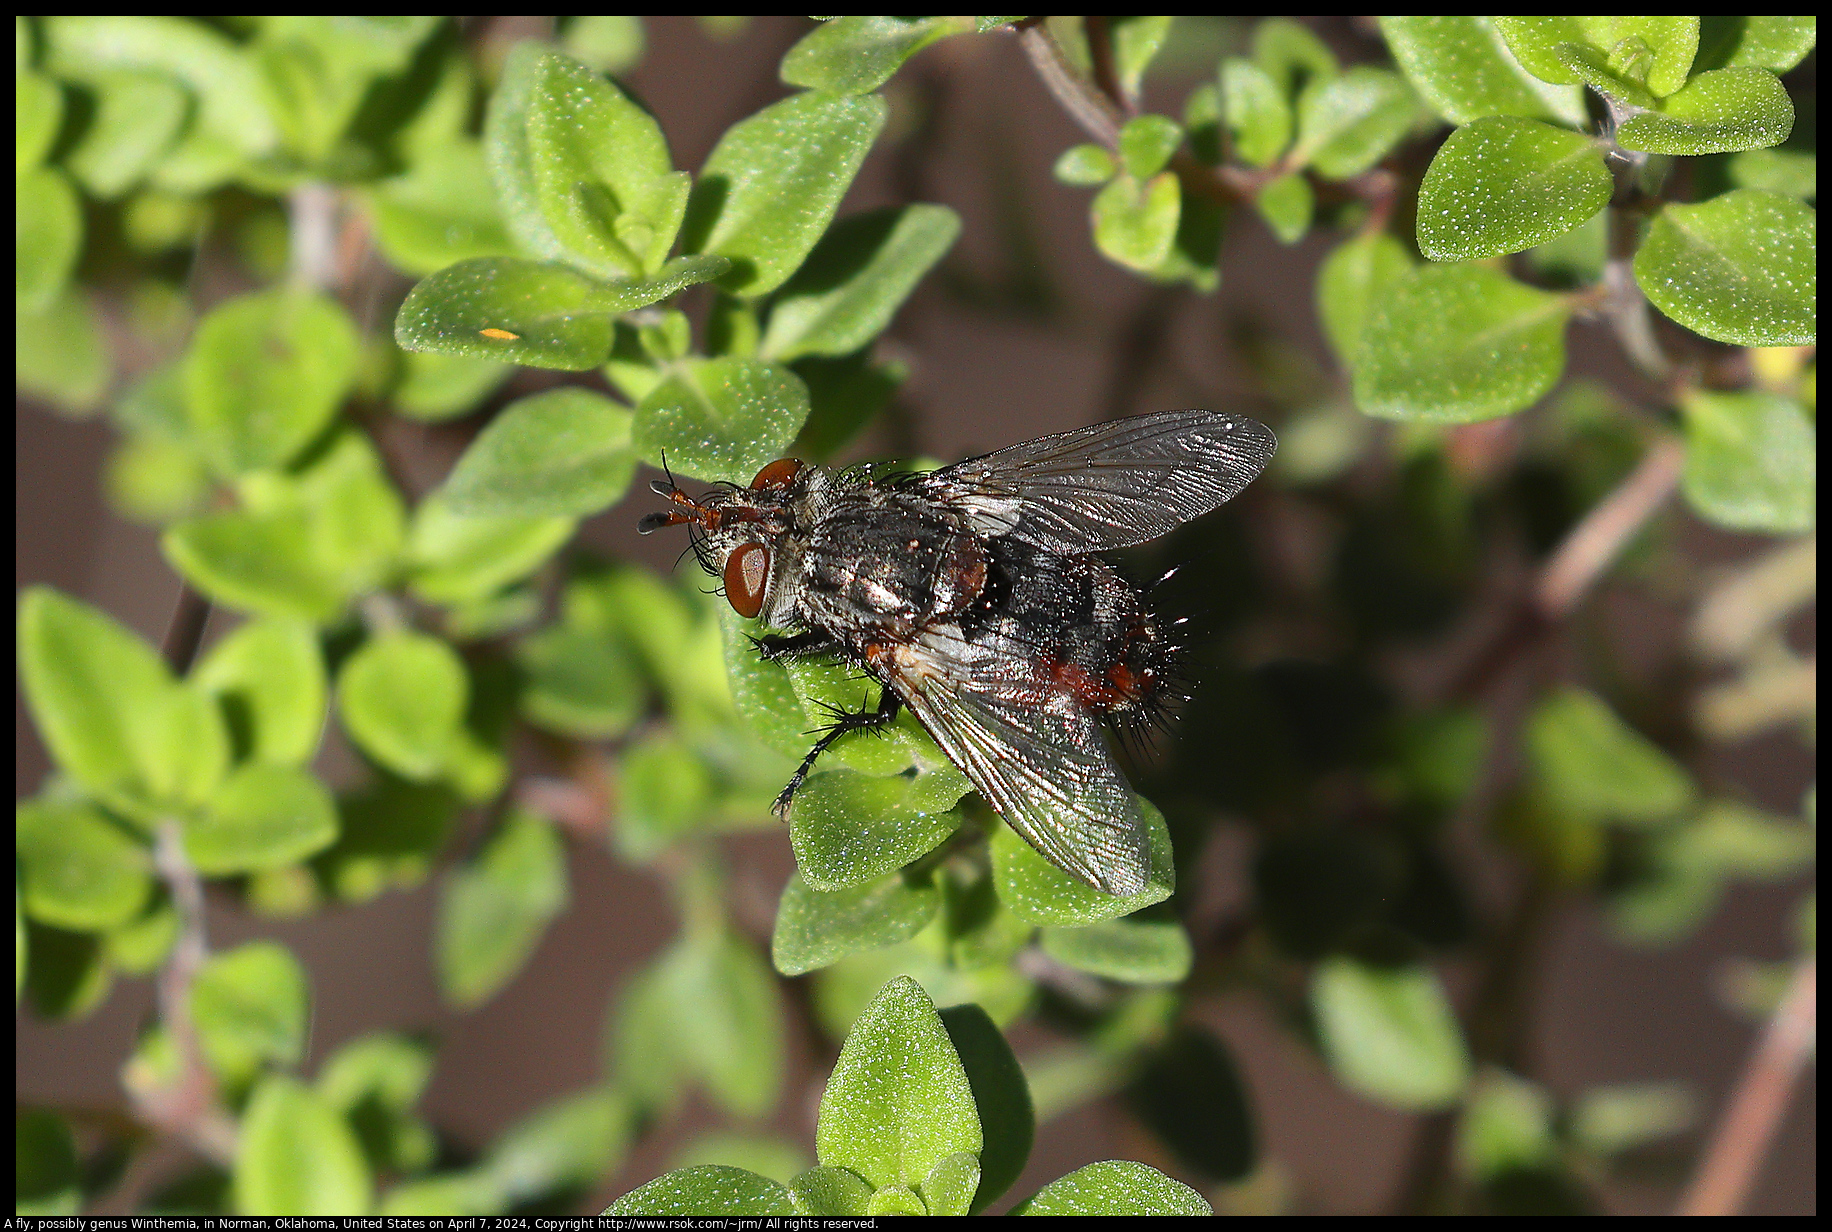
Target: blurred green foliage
x,y
1496,186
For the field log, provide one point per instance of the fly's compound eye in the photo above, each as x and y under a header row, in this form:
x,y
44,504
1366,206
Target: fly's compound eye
x,y
747,570
778,474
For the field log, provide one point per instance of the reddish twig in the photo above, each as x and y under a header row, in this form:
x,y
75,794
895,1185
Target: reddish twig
x,y
1734,1157
1596,541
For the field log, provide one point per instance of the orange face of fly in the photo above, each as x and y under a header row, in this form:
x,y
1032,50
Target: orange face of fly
x,y
737,525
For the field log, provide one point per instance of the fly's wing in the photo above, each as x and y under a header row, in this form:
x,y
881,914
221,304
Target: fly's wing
x,y
1037,756
1109,486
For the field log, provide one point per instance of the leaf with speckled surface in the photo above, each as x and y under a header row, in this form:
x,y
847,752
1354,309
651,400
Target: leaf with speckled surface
x,y
1457,344
1504,184
708,1189
720,418
899,1101
1740,268
1115,1187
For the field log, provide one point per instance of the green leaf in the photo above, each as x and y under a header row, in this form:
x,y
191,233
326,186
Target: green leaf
x,y
61,355
582,683
1506,1125
1135,223
1740,268
609,44
48,232
706,1012
233,119
436,387
779,1159
265,374
456,558
402,698
600,171
565,452
268,675
1590,762
817,927
1086,165
1389,1033
135,119
568,1144
107,708
950,1185
1663,52
66,974
1132,951
1457,344
1258,114
856,55
1773,43
77,870
1463,69
297,1156
306,544
1347,124
1504,184
439,211
855,280
542,314
263,817
771,185
1146,144
1793,172
46,1179
1354,277
830,1191
375,1080
1291,55
1719,112
1001,1096
1114,1187
495,909
1189,1092
38,112
454,1194
844,395
1609,1120
1751,461
1286,204
898,1101
250,1008
848,829
1136,40
709,1189
1040,892
720,418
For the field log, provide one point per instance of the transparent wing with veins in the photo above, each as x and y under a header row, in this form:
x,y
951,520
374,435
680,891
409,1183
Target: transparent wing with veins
x,y
1109,486
1031,749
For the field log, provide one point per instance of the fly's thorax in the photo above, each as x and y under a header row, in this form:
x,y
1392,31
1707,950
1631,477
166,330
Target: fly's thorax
x,y
887,561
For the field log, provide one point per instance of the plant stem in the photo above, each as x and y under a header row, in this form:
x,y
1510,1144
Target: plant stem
x,y
184,633
1596,541
1734,1158
187,1106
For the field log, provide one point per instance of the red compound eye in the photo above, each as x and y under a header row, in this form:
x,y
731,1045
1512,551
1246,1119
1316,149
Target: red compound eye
x,y
747,571
778,474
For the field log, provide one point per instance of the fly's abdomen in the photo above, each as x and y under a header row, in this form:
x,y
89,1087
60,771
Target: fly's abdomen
x,y
1087,629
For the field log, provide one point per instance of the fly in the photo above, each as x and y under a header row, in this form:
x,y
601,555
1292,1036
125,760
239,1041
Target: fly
x,y
974,596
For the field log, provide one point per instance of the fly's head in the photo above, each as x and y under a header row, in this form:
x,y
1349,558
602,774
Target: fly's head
x,y
745,536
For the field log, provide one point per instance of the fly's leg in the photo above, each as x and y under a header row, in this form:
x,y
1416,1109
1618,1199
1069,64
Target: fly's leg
x,y
773,647
889,703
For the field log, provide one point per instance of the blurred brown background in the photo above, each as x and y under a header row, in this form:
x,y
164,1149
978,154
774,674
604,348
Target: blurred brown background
x,y
972,128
